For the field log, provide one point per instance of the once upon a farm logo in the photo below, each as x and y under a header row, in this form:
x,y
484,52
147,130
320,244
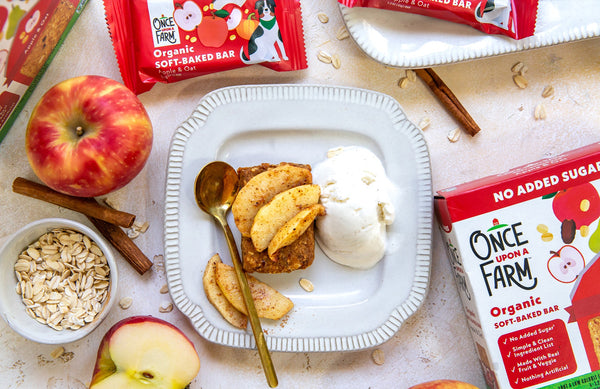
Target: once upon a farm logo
x,y
164,29
504,261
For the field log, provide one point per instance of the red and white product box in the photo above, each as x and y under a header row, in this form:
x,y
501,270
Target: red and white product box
x,y
523,247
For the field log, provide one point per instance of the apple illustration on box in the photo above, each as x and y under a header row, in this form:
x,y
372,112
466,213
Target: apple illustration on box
x,y
575,207
566,264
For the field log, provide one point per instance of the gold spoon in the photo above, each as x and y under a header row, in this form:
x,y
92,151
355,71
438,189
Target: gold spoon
x,y
215,189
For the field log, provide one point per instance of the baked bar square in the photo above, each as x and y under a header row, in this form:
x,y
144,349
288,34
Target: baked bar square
x,y
298,255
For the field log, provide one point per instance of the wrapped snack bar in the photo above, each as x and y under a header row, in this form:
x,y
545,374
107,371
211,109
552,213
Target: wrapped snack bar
x,y
513,18
167,41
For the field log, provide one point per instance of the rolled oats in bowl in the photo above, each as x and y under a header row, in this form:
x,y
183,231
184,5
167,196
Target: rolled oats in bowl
x,y
57,277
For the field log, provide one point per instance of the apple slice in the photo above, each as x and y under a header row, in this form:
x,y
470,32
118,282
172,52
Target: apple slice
x,y
269,303
145,352
284,206
216,298
261,189
294,228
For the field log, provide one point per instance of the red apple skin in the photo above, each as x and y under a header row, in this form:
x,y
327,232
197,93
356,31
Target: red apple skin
x,y
115,144
104,365
444,384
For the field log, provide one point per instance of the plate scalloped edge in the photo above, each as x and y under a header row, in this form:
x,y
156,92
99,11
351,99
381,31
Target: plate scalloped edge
x,y
289,92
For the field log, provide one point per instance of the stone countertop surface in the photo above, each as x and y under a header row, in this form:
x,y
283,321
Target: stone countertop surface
x,y
432,344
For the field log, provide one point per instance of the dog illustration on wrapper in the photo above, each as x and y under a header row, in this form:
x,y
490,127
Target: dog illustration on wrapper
x,y
496,12
265,44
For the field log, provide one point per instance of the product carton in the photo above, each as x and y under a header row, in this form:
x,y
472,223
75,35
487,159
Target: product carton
x,y
30,34
523,248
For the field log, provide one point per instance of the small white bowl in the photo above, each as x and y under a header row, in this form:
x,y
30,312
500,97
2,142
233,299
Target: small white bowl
x,y
12,308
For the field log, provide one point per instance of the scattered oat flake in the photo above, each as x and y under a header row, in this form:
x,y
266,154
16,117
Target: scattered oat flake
x,y
520,81
306,285
548,91
424,123
454,135
323,18
335,61
144,227
517,67
125,302
523,70
403,82
132,233
342,33
164,289
378,356
110,202
57,352
165,308
324,56
547,237
540,112
411,75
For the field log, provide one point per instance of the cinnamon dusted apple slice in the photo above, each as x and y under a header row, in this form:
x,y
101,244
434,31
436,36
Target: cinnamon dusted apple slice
x,y
294,228
261,188
216,297
269,303
284,206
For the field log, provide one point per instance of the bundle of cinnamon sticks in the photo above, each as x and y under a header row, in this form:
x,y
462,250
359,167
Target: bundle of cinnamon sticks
x,y
107,220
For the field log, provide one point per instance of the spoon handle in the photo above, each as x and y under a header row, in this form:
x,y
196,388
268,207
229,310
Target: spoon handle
x,y
261,344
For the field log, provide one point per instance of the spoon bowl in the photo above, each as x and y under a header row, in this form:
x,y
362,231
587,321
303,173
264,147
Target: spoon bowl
x,y
215,189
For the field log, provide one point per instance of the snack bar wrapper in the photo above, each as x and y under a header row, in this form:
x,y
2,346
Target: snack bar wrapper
x,y
513,18
172,40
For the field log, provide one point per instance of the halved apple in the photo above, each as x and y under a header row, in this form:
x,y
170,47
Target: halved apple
x,y
145,352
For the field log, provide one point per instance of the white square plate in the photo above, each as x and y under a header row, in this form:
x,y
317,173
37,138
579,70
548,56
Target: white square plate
x,y
248,125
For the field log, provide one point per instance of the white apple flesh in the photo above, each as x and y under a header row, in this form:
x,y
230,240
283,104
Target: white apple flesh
x,y
145,352
566,264
188,16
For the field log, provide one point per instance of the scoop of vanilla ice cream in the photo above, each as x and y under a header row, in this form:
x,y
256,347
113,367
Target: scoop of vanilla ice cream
x,y
355,192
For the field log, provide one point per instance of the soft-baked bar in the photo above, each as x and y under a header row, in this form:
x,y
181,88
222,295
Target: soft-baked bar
x,y
298,255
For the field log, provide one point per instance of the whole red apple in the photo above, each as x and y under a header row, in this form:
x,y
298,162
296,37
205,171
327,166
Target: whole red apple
x,y
145,352
88,136
444,384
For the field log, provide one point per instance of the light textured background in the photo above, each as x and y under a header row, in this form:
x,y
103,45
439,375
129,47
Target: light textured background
x,y
434,343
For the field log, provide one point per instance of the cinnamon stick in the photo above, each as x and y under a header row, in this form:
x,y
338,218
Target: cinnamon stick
x,y
87,206
124,245
448,100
